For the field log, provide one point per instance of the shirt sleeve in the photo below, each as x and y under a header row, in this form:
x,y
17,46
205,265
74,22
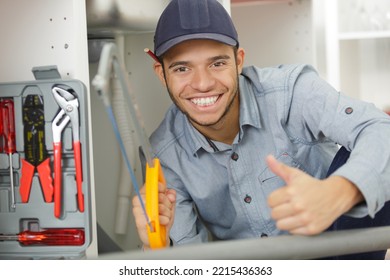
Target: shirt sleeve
x,y
317,112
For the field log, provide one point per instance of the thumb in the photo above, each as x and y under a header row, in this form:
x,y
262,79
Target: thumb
x,y
162,187
282,170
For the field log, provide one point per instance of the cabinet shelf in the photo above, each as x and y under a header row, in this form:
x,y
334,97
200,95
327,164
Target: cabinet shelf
x,y
364,35
357,62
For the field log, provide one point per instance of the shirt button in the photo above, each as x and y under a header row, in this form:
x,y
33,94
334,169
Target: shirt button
x,y
234,156
247,199
263,235
348,110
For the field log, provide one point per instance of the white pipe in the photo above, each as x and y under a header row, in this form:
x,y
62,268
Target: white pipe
x,y
109,61
283,247
125,187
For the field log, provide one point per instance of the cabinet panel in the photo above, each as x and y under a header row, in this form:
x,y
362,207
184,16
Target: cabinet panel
x,y
365,70
357,36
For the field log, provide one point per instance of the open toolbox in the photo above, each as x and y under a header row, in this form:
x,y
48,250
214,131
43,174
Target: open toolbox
x,y
45,210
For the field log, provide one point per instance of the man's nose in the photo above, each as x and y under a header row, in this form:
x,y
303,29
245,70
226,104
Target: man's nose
x,y
202,80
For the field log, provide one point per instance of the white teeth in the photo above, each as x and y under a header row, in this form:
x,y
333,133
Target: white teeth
x,y
207,101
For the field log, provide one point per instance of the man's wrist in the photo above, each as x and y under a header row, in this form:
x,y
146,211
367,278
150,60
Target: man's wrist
x,y
351,192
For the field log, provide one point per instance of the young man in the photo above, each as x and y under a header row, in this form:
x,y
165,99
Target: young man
x,y
244,150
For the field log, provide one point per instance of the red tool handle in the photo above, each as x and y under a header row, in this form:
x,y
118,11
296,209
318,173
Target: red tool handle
x,y
46,180
26,179
79,174
45,177
57,179
9,126
53,237
1,127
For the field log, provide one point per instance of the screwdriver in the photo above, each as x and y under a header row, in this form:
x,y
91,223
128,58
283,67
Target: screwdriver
x,y
48,237
9,138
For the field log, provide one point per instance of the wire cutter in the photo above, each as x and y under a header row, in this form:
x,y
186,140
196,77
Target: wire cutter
x,y
36,155
69,104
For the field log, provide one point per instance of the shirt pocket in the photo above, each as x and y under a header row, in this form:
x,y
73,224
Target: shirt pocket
x,y
270,182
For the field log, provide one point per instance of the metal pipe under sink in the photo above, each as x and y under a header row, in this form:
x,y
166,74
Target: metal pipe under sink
x,y
273,248
108,17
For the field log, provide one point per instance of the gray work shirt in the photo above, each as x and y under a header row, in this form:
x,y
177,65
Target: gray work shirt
x,y
291,113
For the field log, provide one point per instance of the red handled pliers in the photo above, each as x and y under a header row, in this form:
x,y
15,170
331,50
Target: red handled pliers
x,y
36,155
69,105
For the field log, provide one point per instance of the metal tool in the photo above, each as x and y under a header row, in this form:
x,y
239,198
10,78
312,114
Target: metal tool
x,y
48,237
7,109
110,58
36,155
69,112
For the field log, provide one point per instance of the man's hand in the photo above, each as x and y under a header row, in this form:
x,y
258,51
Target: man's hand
x,y
306,205
166,207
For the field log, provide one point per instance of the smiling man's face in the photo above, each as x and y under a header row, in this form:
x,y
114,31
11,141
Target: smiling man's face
x,y
202,79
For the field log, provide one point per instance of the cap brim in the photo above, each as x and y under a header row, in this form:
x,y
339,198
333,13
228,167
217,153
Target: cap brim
x,y
210,36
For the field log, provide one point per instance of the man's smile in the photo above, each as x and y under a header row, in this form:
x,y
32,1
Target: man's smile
x,y
205,101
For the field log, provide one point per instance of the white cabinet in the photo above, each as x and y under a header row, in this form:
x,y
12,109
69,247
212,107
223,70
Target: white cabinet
x,y
275,32
357,40
41,33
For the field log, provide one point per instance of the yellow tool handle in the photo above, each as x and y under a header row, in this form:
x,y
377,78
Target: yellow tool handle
x,y
154,175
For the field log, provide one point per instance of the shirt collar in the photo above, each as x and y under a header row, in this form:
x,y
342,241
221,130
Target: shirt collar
x,y
196,140
249,109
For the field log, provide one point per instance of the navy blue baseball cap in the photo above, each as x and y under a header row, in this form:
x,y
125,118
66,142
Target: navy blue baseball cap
x,y
193,19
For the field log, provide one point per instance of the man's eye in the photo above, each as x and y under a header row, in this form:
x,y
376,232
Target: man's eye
x,y
219,64
181,69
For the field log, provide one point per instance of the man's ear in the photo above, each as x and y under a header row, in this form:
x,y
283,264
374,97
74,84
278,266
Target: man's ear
x,y
240,59
159,70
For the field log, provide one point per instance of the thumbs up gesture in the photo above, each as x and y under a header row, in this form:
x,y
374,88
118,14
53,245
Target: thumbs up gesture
x,y
306,205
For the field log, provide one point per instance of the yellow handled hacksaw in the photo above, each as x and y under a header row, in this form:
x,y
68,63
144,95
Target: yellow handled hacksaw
x,y
110,59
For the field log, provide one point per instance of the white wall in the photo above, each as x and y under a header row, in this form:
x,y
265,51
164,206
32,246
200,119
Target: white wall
x,y
275,33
